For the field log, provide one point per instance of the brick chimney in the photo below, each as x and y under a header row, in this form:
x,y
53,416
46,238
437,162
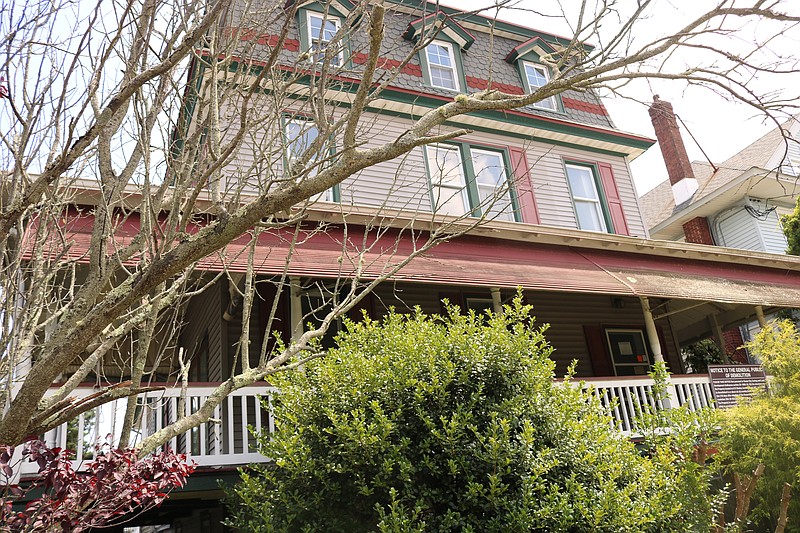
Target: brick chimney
x,y
679,169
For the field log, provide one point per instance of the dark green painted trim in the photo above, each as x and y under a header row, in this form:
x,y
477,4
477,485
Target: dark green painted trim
x,y
511,117
527,48
412,32
600,192
508,117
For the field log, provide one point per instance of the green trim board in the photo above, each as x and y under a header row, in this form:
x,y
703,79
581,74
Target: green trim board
x,y
441,24
516,117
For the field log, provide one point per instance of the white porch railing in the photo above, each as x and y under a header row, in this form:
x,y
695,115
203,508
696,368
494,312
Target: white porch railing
x,y
223,441
625,395
226,441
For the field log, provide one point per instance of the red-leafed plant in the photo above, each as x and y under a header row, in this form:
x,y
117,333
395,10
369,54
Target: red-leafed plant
x,y
112,487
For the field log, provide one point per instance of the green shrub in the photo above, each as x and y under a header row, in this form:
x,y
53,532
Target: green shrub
x,y
454,424
767,429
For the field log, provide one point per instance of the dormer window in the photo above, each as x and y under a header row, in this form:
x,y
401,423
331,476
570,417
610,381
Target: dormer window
x,y
440,60
321,31
442,69
538,76
530,59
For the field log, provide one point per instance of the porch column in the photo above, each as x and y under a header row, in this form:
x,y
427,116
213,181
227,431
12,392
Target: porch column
x,y
652,332
497,301
295,307
762,321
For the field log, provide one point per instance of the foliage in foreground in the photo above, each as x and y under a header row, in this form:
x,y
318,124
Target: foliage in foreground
x,y
454,423
766,430
114,485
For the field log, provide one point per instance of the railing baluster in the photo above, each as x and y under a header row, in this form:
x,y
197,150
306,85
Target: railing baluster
x,y
245,439
230,440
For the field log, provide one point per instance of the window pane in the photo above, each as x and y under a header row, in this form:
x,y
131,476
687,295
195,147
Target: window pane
x,y
448,186
441,77
537,76
589,216
441,66
316,25
490,177
299,136
439,55
581,182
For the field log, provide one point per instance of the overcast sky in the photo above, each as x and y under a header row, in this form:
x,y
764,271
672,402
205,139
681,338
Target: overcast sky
x,y
721,127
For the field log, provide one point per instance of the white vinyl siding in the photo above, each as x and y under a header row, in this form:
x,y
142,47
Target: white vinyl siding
x,y
791,165
758,229
402,183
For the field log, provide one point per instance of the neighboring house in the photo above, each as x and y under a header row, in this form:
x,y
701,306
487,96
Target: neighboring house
x,y
736,204
566,228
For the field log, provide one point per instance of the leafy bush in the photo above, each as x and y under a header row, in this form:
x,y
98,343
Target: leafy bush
x,y
109,490
701,354
766,430
454,424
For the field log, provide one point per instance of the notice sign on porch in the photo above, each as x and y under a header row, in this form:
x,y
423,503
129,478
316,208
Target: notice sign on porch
x,y
729,382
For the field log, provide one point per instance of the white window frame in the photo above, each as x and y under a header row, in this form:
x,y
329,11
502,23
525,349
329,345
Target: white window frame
x,y
451,53
596,202
548,103
506,205
326,195
336,60
449,192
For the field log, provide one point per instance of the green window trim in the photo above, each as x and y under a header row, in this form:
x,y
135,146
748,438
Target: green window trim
x,y
455,53
286,120
604,213
328,14
470,193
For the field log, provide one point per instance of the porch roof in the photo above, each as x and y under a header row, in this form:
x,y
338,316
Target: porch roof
x,y
577,262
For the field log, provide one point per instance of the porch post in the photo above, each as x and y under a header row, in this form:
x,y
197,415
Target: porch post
x,y
652,332
762,321
719,338
295,307
497,301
